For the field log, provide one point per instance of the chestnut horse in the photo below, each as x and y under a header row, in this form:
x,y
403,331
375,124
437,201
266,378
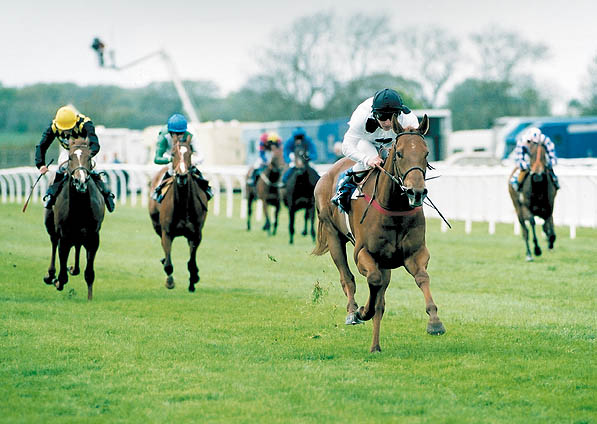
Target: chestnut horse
x,y
76,218
535,198
182,212
267,189
298,193
386,224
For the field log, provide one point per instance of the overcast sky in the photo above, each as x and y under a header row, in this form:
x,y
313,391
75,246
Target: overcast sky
x,y
48,41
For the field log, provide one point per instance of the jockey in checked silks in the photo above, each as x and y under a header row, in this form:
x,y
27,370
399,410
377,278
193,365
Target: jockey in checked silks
x,y
522,156
67,124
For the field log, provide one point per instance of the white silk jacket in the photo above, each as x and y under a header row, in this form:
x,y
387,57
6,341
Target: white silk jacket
x,y
361,145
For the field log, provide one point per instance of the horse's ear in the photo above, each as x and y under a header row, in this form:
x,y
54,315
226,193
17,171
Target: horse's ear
x,y
424,125
396,125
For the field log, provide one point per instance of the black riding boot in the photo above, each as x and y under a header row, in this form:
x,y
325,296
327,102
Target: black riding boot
x,y
346,186
203,183
53,190
108,196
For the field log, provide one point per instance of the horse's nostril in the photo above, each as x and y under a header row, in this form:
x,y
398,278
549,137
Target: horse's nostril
x,y
410,192
424,192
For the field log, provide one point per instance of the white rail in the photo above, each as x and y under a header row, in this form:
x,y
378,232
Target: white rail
x,y
467,193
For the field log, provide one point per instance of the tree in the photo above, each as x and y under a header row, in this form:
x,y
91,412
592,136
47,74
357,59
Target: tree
x,y
432,56
588,105
475,104
501,53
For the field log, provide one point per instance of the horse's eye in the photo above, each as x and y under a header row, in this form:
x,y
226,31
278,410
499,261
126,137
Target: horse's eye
x,y
399,154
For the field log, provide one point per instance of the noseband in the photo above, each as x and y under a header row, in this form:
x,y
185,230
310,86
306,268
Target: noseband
x,y
397,178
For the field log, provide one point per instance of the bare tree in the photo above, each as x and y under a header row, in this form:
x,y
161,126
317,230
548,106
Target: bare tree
x,y
502,52
297,63
431,58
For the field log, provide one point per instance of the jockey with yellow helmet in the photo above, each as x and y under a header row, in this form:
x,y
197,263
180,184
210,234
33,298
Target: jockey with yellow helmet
x,y
69,124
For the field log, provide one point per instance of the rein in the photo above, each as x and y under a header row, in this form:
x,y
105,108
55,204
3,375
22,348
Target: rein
x,y
399,181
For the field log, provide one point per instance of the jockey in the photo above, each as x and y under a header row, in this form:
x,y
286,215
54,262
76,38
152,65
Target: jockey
x,y
523,156
174,131
267,141
369,135
299,136
69,124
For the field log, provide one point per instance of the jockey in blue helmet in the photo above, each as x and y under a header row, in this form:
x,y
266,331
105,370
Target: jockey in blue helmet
x,y
174,131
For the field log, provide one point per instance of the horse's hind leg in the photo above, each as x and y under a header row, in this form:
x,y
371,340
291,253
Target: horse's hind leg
x,y
91,246
416,265
167,261
304,233
192,264
75,270
312,219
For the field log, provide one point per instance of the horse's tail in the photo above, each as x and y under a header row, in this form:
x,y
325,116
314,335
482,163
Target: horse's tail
x,y
321,245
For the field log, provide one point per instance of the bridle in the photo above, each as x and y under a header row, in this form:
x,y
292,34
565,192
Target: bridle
x,y
397,177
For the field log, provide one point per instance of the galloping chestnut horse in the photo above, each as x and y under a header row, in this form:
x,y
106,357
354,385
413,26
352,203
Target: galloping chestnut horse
x,y
182,212
298,193
386,225
536,198
267,189
76,218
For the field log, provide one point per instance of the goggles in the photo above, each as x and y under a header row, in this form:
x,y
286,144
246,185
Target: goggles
x,y
384,116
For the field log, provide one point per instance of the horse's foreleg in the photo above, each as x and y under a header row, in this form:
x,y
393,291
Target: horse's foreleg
x,y
167,261
75,270
549,230
192,264
525,237
535,241
267,224
249,211
50,277
291,213
91,246
378,280
338,253
276,215
304,233
63,251
416,265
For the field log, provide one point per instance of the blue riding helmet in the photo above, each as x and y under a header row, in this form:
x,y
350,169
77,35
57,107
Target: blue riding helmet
x,y
298,132
177,123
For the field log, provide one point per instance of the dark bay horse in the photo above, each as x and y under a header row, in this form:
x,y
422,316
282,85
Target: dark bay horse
x,y
298,192
386,225
182,212
76,218
267,189
535,198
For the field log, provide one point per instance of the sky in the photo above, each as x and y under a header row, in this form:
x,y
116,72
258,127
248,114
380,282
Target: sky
x,y
49,41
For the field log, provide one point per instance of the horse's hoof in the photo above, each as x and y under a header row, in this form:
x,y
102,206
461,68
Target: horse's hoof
x,y
49,280
353,319
58,286
170,282
192,288
537,251
375,349
73,271
529,258
436,328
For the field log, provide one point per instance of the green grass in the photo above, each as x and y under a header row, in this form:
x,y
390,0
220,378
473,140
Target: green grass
x,y
263,339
